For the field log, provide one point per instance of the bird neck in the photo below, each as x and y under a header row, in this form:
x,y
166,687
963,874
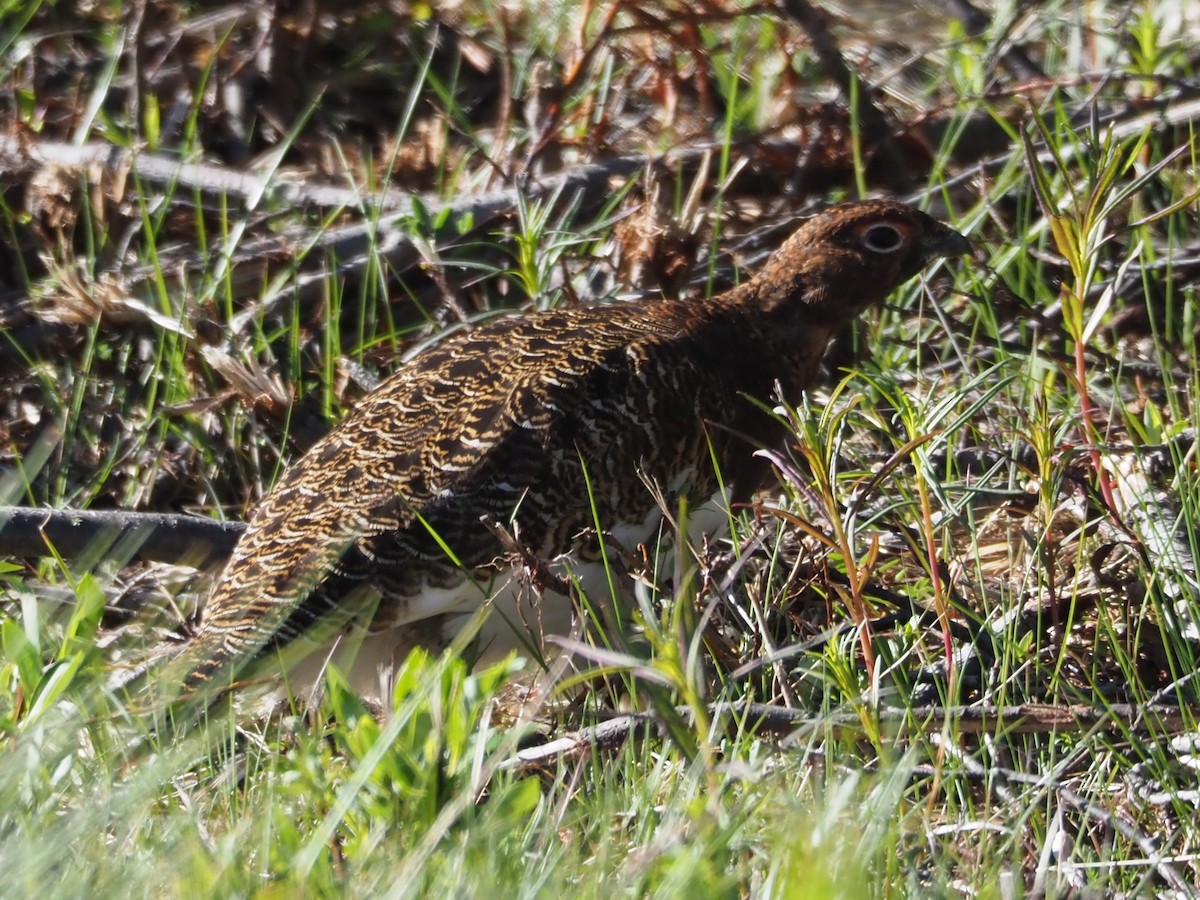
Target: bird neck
x,y
773,341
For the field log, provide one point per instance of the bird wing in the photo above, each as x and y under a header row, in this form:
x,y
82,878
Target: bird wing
x,y
467,428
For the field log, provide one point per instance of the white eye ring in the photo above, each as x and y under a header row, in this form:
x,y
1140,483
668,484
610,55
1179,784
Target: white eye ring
x,y
883,238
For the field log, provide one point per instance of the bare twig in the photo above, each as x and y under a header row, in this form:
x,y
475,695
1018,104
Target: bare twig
x,y
70,533
212,180
976,23
1001,779
1027,718
876,127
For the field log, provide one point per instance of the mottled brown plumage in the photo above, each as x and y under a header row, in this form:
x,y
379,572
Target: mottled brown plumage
x,y
512,420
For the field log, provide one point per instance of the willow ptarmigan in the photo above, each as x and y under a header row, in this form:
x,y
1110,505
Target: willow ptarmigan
x,y
377,538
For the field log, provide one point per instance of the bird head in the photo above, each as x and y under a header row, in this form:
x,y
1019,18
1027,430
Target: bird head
x,y
849,257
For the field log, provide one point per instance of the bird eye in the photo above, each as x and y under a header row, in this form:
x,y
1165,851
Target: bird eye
x,y
883,238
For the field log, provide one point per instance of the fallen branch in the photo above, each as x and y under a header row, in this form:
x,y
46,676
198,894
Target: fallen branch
x,y
71,533
876,127
977,24
214,180
1026,718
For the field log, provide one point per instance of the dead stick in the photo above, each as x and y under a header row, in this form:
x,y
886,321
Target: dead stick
x,y
71,533
157,168
857,94
976,23
1027,718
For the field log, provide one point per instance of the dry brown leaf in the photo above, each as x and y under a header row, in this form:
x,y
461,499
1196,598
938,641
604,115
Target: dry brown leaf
x,y
80,299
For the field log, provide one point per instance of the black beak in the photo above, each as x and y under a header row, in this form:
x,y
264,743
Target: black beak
x,y
945,243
